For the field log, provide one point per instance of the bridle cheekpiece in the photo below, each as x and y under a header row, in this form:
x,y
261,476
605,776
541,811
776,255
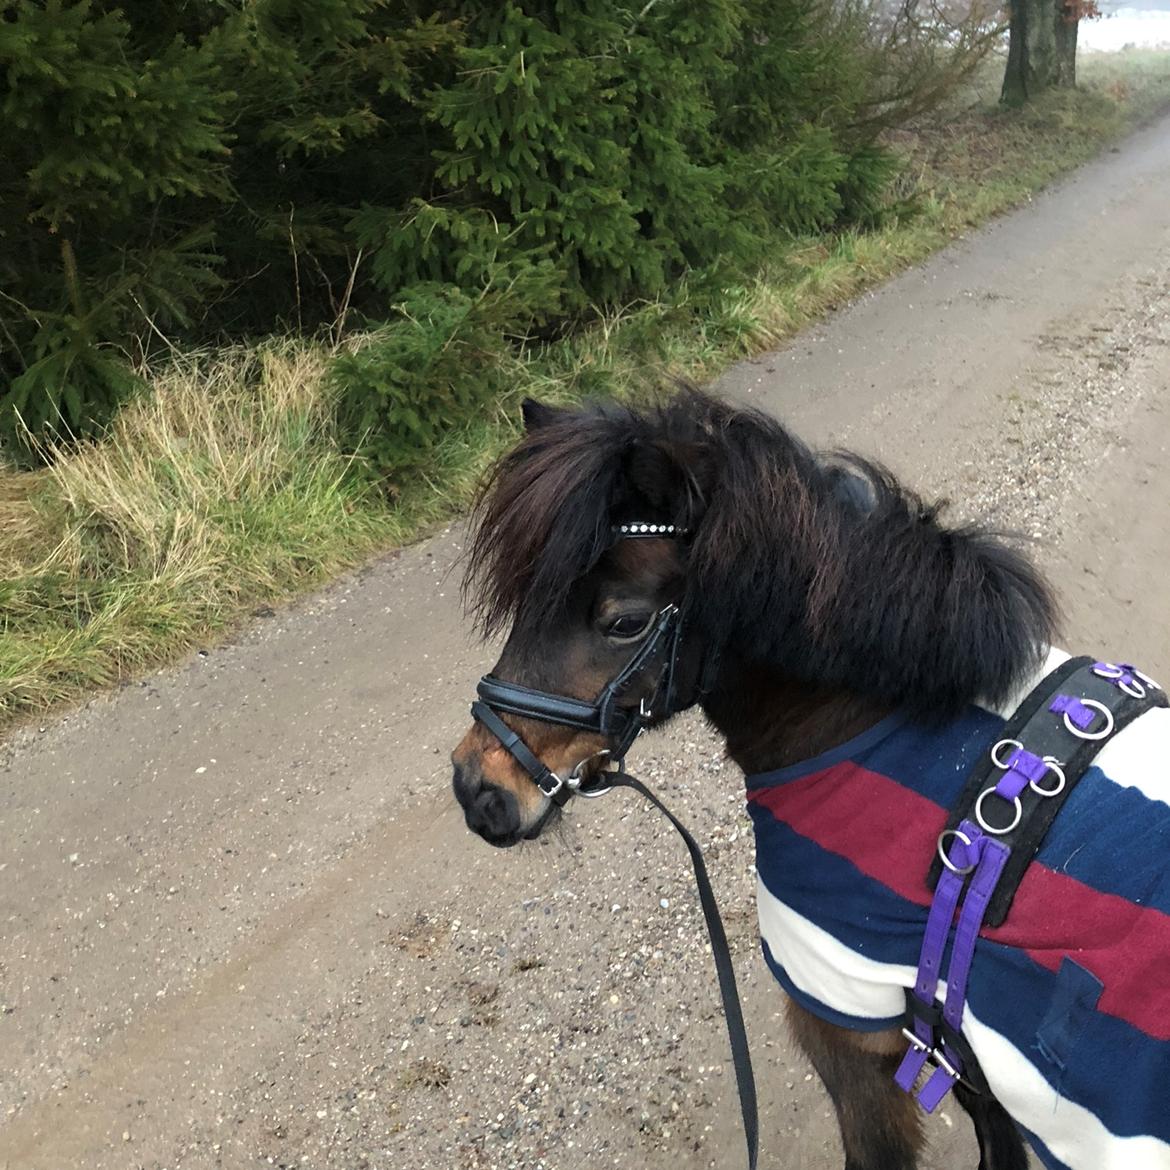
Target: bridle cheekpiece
x,y
605,715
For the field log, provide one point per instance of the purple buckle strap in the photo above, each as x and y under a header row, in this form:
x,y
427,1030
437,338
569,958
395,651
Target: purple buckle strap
x,y
1080,714
1077,712
972,853
934,943
1023,768
1126,677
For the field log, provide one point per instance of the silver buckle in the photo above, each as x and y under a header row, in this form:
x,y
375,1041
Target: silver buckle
x,y
934,1055
962,870
915,1042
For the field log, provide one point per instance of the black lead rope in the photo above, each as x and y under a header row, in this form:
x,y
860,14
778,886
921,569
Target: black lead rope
x,y
732,1012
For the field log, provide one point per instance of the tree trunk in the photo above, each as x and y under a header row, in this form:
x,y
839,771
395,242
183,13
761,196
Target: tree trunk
x,y
1066,48
1042,49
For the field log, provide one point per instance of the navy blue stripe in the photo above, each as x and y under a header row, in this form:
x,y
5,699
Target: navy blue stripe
x,y
1008,992
1114,839
831,891
933,760
849,750
1115,1071
822,1010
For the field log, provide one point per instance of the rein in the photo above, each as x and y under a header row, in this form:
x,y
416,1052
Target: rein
x,y
745,1081
622,725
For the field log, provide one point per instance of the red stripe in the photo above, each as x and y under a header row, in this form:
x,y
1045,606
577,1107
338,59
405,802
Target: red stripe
x,y
889,832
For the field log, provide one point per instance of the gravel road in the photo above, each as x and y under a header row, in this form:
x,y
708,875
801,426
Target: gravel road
x,y
242,925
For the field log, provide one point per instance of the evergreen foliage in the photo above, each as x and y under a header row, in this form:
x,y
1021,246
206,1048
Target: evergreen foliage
x,y
213,169
440,360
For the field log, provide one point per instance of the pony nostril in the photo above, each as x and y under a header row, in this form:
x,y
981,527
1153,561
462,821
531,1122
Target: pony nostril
x,y
494,814
465,783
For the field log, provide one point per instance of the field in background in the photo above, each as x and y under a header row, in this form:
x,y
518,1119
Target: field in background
x,y
225,489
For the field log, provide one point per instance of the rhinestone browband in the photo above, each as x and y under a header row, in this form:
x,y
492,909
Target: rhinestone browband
x,y
640,529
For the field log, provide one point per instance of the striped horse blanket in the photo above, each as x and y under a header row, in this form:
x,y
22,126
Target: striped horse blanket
x,y
1068,1007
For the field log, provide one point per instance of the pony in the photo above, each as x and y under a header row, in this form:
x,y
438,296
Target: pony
x,y
849,645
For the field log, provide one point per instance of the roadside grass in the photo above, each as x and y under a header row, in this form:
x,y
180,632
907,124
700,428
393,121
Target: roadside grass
x,y
222,488
226,489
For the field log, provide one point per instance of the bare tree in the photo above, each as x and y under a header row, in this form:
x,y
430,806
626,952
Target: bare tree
x,y
919,51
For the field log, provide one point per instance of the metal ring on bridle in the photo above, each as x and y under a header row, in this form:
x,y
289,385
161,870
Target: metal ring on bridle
x,y
1103,733
575,778
983,820
1057,769
962,870
1012,743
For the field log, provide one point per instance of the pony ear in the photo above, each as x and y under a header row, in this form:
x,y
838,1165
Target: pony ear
x,y
537,414
672,478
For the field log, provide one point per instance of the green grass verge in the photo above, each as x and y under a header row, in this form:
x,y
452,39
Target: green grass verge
x,y
226,489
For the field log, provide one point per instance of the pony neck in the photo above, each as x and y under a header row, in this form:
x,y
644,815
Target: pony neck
x,y
770,721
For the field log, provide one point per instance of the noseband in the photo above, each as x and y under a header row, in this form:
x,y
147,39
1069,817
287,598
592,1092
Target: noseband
x,y
605,715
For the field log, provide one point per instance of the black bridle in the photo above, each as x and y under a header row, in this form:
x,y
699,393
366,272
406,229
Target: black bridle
x,y
605,715
621,725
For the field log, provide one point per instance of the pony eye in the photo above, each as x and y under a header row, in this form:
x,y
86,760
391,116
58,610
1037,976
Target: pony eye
x,y
629,626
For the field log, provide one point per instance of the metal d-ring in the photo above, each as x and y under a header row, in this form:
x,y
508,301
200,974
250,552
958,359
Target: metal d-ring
x,y
1057,769
575,777
1116,674
1012,743
961,870
1108,670
983,821
1106,731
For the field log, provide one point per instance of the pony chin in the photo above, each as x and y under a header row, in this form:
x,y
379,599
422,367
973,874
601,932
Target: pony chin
x,y
551,815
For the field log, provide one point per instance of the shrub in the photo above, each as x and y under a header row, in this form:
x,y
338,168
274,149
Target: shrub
x,y
404,385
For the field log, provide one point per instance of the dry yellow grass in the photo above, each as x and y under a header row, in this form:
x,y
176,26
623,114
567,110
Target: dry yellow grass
x,y
222,487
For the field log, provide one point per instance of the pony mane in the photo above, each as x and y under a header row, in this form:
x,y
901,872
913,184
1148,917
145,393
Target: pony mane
x,y
823,569
541,517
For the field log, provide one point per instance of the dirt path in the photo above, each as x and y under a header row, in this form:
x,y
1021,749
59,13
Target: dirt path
x,y
241,923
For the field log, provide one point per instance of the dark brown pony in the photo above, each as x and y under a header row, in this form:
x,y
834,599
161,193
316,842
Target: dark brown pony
x,y
830,595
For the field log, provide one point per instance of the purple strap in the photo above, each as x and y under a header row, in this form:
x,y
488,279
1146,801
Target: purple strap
x,y
1078,714
989,857
993,857
991,862
934,942
1023,767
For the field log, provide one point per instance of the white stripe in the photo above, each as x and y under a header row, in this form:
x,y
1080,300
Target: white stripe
x,y
1136,756
833,974
825,968
1073,1134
